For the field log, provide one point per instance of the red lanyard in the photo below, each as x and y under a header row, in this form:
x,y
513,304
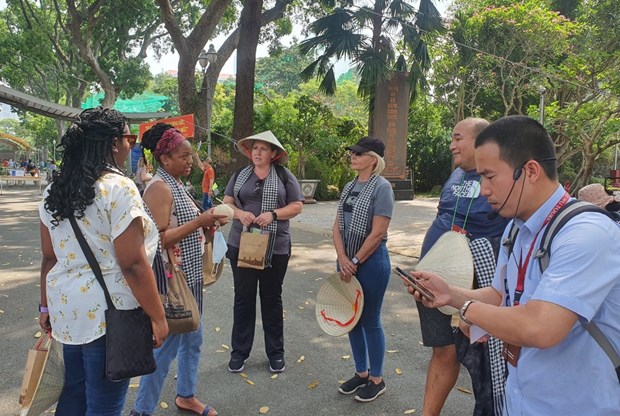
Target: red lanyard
x,y
522,266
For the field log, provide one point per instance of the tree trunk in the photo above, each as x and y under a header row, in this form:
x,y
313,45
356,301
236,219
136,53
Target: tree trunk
x,y
249,25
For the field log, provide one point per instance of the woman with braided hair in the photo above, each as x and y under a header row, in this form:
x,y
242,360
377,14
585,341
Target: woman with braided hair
x,y
110,214
181,226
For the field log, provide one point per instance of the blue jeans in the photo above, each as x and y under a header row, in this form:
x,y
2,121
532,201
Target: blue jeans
x,y
367,338
207,203
86,390
185,347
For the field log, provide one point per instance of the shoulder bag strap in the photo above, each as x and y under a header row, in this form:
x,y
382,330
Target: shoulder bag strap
x,y
94,265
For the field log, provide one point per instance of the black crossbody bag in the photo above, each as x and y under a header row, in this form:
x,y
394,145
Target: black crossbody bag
x,y
129,335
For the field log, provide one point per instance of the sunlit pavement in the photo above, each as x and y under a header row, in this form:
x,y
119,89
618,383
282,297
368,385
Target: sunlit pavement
x,y
315,362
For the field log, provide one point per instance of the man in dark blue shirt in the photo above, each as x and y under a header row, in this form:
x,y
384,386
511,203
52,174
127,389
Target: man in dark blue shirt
x,y
460,205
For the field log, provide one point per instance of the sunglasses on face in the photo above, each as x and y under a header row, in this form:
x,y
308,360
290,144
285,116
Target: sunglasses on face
x,y
259,187
131,139
353,153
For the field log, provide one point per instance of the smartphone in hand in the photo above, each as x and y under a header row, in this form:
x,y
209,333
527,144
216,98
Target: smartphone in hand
x,y
414,283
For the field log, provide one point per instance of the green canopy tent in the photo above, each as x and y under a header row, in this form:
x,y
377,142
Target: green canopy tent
x,y
147,102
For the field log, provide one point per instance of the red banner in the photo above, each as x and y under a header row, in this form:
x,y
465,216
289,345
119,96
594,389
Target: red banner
x,y
185,124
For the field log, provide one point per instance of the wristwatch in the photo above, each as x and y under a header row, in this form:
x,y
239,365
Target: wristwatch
x,y
464,310
355,260
274,215
43,309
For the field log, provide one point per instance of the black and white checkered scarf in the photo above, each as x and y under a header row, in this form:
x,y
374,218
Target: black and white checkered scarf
x,y
356,234
269,202
191,246
484,267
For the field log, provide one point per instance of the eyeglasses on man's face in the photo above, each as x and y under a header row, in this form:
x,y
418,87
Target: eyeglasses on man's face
x,y
259,187
131,139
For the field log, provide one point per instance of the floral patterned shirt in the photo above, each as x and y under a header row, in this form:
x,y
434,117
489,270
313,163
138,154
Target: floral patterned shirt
x,y
74,297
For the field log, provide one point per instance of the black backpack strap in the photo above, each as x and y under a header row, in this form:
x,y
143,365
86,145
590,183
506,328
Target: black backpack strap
x,y
565,214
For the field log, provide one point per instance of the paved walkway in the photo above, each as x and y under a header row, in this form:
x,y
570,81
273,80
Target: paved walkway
x,y
315,362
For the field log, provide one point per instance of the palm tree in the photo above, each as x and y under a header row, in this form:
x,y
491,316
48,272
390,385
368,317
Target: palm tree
x,y
378,40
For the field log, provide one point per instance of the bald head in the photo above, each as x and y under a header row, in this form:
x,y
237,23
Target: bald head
x,y
463,140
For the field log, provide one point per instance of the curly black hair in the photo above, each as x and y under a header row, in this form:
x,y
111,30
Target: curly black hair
x,y
87,148
152,136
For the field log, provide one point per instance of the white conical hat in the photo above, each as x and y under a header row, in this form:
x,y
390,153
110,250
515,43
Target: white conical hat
x,y
450,257
339,305
245,145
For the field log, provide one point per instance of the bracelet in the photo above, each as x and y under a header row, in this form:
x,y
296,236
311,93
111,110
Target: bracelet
x,y
464,310
43,309
274,215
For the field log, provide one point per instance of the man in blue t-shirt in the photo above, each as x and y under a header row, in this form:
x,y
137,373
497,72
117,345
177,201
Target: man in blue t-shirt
x,y
460,205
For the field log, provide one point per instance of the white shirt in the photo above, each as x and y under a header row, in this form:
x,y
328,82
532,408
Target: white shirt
x,y
74,297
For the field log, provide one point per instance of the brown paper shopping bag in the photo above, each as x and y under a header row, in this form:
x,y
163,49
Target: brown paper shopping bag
x,y
253,250
44,377
32,372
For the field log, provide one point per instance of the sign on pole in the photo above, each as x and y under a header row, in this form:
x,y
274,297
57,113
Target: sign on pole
x,y
185,124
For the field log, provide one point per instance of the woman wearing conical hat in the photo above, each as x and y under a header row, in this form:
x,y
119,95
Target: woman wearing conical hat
x,y
264,196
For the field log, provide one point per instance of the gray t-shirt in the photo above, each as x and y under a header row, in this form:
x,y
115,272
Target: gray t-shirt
x,y
250,196
382,202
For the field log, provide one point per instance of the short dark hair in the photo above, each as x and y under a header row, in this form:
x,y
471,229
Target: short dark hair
x,y
520,139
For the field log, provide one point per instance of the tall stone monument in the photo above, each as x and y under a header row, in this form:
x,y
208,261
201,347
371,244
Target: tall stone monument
x,y
390,124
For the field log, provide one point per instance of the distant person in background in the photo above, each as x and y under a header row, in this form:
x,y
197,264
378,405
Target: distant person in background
x,y
31,168
143,174
208,178
595,194
11,164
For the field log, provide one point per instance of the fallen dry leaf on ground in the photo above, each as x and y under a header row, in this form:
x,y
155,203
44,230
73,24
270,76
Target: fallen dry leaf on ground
x,y
263,410
346,357
274,376
226,347
409,412
301,359
313,384
37,334
399,371
391,351
463,390
163,405
134,385
250,382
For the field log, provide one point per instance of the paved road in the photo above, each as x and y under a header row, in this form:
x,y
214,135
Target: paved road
x,y
315,362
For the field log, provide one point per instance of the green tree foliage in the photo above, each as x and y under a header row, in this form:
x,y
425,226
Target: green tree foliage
x,y
428,146
378,39
503,53
280,71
